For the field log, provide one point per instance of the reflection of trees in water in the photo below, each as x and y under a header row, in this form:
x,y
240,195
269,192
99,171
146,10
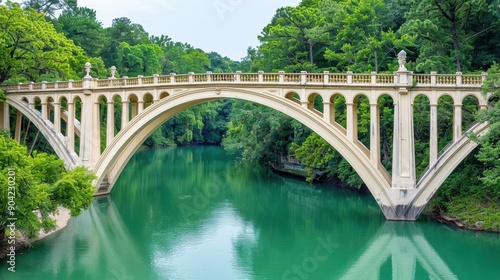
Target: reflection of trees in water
x,y
292,215
94,245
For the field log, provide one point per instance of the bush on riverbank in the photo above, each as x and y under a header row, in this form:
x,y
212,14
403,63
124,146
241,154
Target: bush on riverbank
x,y
32,187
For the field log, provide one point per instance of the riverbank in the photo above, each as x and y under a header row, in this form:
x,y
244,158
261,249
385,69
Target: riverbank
x,y
467,213
62,218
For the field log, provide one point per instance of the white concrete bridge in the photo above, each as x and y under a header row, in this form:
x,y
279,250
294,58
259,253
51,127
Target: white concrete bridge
x,y
147,102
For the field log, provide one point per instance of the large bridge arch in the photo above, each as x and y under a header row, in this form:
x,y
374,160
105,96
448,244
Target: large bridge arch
x,y
56,142
117,154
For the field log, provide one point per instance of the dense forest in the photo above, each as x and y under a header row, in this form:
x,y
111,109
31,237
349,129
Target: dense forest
x,y
51,40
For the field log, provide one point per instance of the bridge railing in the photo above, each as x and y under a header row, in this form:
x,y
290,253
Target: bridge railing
x,y
303,78
457,79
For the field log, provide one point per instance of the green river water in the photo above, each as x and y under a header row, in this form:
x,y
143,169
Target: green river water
x,y
193,213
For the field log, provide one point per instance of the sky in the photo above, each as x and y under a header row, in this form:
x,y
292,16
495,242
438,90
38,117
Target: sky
x,y
228,27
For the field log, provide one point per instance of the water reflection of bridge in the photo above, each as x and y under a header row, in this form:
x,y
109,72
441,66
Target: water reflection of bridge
x,y
405,245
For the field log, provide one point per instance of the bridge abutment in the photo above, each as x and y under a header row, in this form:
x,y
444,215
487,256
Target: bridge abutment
x,y
403,208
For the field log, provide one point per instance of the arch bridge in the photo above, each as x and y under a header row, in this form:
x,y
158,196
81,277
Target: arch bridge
x,y
65,111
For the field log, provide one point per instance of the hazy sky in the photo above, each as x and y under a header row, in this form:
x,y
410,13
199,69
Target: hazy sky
x,y
228,27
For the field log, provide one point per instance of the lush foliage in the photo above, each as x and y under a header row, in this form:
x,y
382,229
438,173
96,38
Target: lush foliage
x,y
489,154
472,192
41,184
32,49
365,35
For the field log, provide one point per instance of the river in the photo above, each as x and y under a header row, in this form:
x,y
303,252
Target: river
x,y
194,213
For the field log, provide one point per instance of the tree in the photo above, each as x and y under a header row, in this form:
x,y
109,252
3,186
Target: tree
x,y
294,39
489,153
181,58
50,7
364,38
315,153
447,31
122,30
37,185
31,47
81,26
260,133
142,59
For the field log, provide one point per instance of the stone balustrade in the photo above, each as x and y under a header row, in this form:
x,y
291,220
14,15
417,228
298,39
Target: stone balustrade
x,y
334,79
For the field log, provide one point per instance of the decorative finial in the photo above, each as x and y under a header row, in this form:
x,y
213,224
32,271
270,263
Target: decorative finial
x,y
113,71
402,60
88,66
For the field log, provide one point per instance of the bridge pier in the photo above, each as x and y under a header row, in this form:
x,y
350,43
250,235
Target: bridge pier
x,y
403,160
401,211
86,131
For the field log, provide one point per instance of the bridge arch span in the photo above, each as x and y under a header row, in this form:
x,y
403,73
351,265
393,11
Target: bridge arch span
x,y
124,145
449,159
56,142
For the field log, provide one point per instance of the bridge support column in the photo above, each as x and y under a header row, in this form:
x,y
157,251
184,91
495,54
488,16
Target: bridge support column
x,y
433,141
19,121
125,113
403,167
352,122
457,122
110,123
45,111
57,117
96,131
86,131
135,109
140,106
328,112
374,134
70,130
4,117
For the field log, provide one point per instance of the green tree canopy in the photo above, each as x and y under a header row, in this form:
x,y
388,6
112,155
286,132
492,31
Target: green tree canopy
x,y
30,47
293,40
50,7
489,154
122,30
142,59
364,40
41,184
447,32
81,26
